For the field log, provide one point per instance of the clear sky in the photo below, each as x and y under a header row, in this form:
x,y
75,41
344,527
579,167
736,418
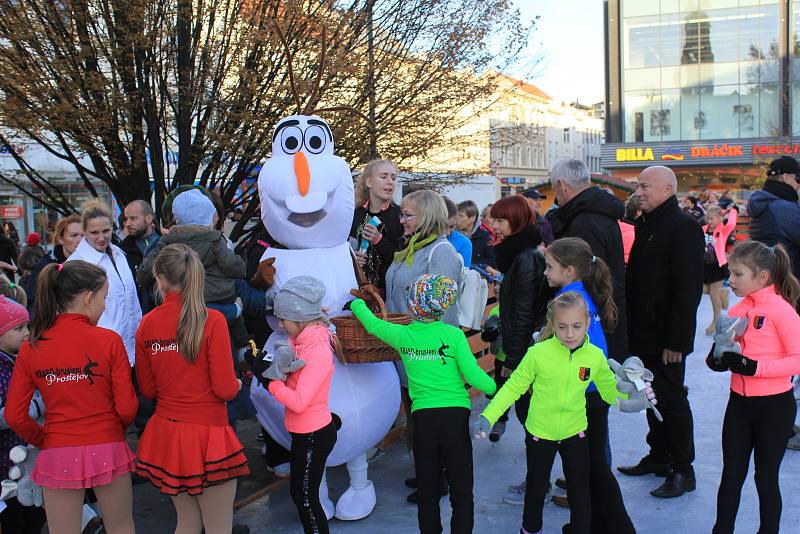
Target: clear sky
x,y
569,38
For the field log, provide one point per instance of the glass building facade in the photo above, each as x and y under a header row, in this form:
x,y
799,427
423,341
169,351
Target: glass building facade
x,y
703,69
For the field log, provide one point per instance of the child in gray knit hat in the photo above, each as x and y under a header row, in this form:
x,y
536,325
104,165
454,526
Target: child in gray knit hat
x,y
300,379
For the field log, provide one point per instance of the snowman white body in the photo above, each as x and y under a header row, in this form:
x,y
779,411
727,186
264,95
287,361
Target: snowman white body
x,y
307,204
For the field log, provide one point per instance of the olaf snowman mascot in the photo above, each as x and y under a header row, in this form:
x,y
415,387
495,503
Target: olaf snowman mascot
x,y
307,205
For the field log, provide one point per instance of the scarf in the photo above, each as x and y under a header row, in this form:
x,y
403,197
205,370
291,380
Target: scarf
x,y
510,247
414,244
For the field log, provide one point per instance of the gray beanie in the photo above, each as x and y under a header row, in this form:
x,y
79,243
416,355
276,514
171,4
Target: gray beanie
x,y
193,207
300,299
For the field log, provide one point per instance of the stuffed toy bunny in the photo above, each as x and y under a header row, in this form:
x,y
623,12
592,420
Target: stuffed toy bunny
x,y
634,379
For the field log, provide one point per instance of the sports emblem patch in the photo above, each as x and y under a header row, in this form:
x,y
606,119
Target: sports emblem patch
x,y
758,322
583,373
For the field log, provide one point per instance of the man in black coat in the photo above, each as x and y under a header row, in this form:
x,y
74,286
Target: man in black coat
x,y
588,212
664,287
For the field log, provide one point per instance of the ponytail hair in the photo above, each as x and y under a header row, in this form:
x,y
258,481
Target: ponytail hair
x,y
592,271
57,287
775,260
182,269
570,299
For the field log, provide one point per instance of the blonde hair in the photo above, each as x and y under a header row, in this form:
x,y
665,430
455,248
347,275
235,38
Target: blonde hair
x,y
716,211
95,209
12,290
182,269
431,212
570,299
63,225
370,169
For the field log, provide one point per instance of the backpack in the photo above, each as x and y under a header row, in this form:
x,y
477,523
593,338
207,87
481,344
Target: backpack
x,y
473,292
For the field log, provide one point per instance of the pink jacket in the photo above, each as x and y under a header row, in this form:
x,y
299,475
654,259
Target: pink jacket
x,y
721,234
305,392
771,339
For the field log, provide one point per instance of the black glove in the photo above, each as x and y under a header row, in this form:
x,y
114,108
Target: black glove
x,y
258,367
491,329
717,365
740,364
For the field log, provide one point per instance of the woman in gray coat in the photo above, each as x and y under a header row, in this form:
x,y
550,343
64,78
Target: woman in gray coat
x,y
423,215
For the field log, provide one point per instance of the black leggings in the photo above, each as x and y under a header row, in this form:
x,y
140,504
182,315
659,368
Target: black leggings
x,y
761,426
575,459
308,456
442,440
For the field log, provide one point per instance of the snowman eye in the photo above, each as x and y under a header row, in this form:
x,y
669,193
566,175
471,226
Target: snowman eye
x,y
291,139
315,139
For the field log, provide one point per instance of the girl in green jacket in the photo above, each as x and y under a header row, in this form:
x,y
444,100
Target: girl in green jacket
x,y
559,368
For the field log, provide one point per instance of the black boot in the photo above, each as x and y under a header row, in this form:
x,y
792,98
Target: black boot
x,y
675,485
646,466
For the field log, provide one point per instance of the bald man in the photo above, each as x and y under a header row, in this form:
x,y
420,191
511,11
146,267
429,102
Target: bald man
x,y
664,284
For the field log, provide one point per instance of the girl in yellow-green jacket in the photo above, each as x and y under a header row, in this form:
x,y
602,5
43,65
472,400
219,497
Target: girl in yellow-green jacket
x,y
559,368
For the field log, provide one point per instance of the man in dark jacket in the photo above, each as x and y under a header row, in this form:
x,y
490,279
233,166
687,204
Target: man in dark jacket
x,y
588,212
774,212
534,200
141,237
664,287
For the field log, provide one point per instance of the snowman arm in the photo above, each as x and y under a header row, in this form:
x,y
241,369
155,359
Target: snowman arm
x,y
389,333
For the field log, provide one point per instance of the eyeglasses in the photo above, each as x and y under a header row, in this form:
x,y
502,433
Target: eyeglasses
x,y
407,216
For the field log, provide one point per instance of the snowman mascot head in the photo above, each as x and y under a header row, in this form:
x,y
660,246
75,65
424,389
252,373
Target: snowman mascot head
x,y
307,204
306,191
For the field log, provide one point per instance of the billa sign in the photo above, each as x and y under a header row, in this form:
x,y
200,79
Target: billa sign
x,y
684,153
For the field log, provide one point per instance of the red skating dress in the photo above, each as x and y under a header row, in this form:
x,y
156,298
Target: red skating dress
x,y
188,444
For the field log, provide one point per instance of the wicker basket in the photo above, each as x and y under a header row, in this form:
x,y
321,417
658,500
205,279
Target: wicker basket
x,y
357,345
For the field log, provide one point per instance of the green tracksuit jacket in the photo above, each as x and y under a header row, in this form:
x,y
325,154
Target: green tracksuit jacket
x,y
559,378
435,355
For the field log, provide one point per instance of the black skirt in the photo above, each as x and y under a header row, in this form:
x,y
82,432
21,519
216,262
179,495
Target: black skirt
x,y
714,273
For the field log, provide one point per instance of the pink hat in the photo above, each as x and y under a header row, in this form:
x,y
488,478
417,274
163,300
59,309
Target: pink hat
x,y
12,314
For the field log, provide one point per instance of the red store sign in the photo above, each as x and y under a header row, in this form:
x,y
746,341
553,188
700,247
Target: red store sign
x,y
10,212
775,150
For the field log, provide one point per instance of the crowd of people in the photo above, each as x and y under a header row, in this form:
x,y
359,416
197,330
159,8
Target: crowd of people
x,y
158,328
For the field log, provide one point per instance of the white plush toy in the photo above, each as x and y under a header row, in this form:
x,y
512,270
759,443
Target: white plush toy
x,y
307,204
19,483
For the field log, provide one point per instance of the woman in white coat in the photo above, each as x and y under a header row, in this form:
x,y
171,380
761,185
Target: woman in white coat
x,y
122,313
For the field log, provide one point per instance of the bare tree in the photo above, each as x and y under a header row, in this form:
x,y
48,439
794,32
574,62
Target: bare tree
x,y
149,94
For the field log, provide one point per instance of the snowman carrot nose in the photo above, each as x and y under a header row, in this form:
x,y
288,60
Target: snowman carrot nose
x,y
302,173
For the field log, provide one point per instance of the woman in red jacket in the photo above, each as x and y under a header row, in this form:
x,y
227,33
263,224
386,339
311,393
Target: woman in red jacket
x,y
188,449
83,374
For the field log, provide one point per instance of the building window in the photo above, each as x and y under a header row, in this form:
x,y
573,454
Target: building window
x,y
705,70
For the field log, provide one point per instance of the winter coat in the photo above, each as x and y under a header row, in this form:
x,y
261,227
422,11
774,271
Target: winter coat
x,y
775,219
721,234
482,249
524,292
136,257
628,231
593,215
55,256
381,254
8,254
665,281
770,339
399,277
463,246
122,313
221,264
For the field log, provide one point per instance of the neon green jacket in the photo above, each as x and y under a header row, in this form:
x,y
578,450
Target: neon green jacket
x,y
435,355
559,378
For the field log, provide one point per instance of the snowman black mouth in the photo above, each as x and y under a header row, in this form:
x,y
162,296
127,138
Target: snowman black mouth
x,y
307,220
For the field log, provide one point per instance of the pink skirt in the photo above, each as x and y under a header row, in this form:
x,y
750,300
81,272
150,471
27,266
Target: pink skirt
x,y
85,466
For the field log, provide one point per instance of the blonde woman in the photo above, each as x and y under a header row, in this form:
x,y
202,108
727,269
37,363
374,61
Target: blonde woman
x,y
188,449
374,191
123,312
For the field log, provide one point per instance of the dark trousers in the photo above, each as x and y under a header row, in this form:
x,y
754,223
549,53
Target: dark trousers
x,y
760,426
308,454
671,441
18,519
608,508
442,440
145,410
540,454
